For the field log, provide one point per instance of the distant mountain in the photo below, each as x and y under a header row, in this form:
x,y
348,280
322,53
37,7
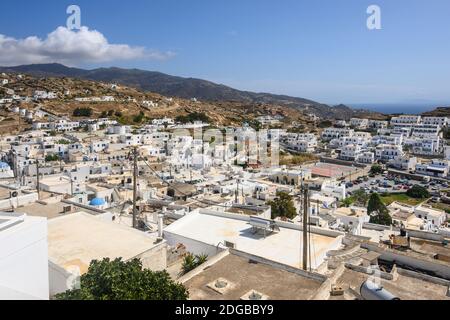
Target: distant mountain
x,y
185,88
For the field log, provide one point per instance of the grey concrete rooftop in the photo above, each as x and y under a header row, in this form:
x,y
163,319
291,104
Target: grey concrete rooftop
x,y
244,275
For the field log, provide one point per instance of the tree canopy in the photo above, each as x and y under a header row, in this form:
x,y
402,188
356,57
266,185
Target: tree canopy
x,y
82,112
283,206
418,192
119,280
377,211
376,169
360,197
191,117
51,157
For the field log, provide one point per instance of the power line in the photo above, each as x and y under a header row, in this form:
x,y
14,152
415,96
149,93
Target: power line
x,y
209,203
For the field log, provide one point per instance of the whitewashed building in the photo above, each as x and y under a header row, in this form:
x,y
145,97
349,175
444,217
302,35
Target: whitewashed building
x,y
335,133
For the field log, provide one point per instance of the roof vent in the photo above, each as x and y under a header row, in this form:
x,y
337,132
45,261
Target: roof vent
x,y
221,285
254,295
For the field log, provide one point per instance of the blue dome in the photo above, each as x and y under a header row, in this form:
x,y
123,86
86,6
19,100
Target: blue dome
x,y
4,165
97,202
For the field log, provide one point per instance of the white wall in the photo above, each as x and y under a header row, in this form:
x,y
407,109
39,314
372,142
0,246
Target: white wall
x,y
24,258
59,279
192,246
21,200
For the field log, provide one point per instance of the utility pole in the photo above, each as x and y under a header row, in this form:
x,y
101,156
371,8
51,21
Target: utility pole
x,y
135,174
305,226
237,191
37,180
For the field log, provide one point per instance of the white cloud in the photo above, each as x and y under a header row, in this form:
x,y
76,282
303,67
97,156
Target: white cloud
x,y
70,47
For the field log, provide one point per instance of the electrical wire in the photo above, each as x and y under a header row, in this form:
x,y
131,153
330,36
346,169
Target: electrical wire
x,y
209,203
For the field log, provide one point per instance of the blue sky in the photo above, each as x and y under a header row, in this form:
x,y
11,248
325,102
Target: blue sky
x,y
317,49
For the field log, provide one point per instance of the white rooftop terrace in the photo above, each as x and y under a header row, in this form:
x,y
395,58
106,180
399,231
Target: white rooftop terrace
x,y
79,238
206,231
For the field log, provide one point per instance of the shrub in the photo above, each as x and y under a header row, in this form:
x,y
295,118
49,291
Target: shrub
x,y
82,112
191,262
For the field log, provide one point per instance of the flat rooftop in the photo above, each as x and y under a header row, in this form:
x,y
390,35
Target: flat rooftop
x,y
404,287
79,238
244,275
54,180
351,212
5,193
50,210
284,246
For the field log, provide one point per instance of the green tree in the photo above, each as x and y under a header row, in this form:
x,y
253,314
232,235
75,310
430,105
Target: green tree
x,y
82,112
190,262
255,124
119,280
377,211
360,198
195,116
376,169
63,141
446,133
325,124
418,192
283,206
51,157
347,202
138,118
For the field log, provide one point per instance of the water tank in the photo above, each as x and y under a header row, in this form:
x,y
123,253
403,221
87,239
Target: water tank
x,y
372,291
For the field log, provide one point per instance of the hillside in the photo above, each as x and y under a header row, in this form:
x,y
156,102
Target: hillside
x,y
187,88
128,103
438,112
